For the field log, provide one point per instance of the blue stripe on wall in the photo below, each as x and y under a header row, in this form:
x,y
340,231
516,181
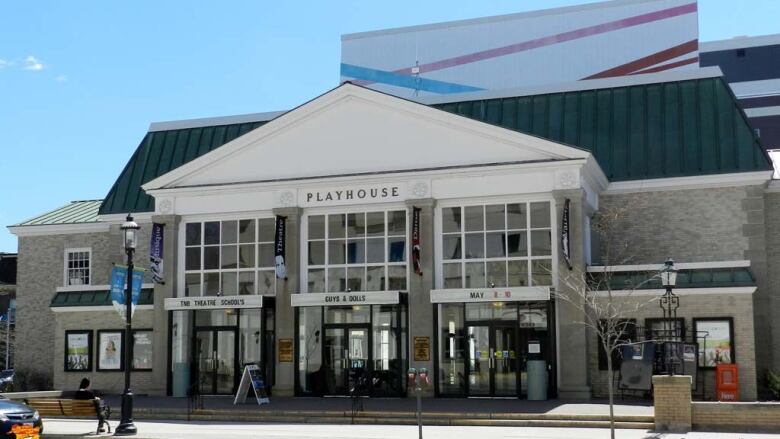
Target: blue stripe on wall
x,y
398,80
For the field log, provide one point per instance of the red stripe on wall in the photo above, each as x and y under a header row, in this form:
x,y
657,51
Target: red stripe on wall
x,y
668,66
650,60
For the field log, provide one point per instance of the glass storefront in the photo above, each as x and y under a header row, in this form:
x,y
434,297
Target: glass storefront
x,y
341,348
210,347
484,348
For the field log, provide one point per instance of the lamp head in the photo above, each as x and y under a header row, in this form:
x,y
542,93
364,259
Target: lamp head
x,y
130,233
669,274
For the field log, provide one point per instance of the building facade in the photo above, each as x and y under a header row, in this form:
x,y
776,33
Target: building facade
x,y
416,235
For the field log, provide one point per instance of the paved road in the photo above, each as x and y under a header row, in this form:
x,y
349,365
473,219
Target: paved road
x,y
207,430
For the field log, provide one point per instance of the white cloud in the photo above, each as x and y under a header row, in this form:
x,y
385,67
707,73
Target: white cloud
x,y
4,63
61,78
33,63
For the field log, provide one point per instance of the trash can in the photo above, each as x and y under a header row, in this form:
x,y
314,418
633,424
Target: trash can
x,y
537,380
181,379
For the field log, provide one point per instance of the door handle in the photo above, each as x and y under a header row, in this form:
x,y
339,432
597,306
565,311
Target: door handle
x,y
492,359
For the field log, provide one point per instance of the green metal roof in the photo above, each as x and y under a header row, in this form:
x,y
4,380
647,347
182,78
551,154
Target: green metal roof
x,y
697,278
160,152
95,298
75,212
670,129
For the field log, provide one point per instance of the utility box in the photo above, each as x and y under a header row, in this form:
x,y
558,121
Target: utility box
x,y
727,382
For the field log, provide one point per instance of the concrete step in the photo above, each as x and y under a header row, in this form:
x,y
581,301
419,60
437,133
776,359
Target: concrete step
x,y
403,418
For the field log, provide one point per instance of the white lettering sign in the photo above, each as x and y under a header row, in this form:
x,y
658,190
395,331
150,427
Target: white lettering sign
x,y
352,195
507,294
352,298
213,302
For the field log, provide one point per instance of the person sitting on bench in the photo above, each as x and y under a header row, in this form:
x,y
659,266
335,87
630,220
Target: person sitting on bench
x,y
85,393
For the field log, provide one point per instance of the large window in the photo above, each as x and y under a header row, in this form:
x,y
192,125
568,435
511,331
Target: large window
x,y
363,251
497,245
230,257
77,266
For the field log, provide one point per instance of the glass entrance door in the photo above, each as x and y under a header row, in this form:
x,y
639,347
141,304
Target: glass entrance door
x,y
215,359
346,358
492,360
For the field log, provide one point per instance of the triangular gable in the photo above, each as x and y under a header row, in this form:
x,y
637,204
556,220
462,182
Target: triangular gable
x,y
351,130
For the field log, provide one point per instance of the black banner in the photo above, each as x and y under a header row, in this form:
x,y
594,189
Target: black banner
x,y
279,246
156,253
565,240
416,240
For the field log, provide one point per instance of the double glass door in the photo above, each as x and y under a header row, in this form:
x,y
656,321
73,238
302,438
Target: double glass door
x,y
215,359
347,354
493,364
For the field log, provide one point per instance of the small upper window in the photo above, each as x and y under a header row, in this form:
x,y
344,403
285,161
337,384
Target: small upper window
x,y
77,266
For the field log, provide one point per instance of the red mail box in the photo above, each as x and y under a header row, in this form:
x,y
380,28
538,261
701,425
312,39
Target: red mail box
x,y
727,382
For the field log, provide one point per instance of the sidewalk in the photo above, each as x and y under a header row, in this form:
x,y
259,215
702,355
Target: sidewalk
x,y
430,405
69,429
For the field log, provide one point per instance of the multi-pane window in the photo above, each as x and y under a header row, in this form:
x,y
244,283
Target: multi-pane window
x,y
230,257
77,266
497,245
363,251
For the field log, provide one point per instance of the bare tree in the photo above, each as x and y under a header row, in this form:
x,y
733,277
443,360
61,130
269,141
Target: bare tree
x,y
605,308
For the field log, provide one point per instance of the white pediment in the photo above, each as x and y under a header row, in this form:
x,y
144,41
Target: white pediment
x,y
355,130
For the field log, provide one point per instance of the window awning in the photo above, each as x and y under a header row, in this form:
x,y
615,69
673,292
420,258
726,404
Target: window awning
x,y
95,298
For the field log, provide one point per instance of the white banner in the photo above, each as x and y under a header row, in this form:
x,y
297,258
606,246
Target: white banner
x,y
212,302
508,294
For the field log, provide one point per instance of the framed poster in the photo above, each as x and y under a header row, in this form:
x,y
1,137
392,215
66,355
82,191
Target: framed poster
x,y
78,351
141,350
285,350
110,350
422,349
715,337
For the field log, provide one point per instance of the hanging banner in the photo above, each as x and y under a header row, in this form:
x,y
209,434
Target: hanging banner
x,y
279,247
119,286
156,253
565,241
416,240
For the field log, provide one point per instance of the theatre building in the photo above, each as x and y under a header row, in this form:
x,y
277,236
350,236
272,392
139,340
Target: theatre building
x,y
360,234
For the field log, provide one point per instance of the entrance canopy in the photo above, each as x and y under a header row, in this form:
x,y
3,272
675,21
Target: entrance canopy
x,y
212,302
350,298
506,294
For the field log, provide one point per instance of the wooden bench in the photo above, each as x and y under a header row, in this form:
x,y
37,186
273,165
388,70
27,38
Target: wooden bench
x,y
72,408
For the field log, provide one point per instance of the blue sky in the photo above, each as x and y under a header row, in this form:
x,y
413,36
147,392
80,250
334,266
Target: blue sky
x,y
81,81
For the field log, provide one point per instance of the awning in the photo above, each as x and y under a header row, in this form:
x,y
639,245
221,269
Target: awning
x,y
213,302
506,294
95,298
351,298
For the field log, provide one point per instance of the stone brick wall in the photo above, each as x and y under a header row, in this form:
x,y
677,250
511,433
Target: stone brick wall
x,y
738,306
108,382
41,271
736,416
716,224
672,403
772,203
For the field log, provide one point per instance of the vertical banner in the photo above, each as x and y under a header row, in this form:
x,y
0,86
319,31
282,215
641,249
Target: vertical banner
x,y
416,240
156,253
119,286
565,239
279,247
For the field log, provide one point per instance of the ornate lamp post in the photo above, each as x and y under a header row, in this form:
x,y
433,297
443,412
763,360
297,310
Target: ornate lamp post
x,y
126,426
669,303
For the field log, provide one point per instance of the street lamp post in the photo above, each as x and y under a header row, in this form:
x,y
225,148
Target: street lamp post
x,y
669,303
126,426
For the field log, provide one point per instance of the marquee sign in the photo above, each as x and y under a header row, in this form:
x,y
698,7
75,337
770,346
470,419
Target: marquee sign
x,y
212,302
360,194
351,298
507,294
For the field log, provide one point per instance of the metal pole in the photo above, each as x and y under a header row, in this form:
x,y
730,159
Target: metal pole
x,y
126,426
418,389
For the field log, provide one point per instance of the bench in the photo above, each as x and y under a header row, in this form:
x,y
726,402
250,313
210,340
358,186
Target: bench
x,y
72,408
